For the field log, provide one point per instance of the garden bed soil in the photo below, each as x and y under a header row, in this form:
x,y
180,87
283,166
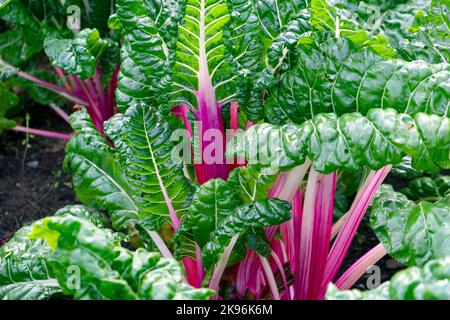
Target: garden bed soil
x,y
32,182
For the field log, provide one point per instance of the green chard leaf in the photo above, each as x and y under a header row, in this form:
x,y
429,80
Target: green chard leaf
x,y
335,76
24,273
99,180
150,167
19,45
213,201
78,55
259,37
426,188
340,22
89,264
412,234
150,32
254,215
349,142
432,282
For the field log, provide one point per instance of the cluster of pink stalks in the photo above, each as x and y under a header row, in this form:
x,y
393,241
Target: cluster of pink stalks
x,y
311,247
99,102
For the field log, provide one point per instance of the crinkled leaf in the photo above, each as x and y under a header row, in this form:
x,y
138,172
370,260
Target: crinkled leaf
x,y
250,183
259,36
325,17
350,142
426,188
334,76
262,213
412,234
379,293
212,203
78,55
99,180
432,282
150,166
102,269
150,32
24,273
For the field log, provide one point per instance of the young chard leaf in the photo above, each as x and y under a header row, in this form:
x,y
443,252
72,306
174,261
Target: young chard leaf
x,y
253,215
78,55
108,271
412,234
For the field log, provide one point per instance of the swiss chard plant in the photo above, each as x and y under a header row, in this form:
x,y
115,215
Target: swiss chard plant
x,y
238,120
85,63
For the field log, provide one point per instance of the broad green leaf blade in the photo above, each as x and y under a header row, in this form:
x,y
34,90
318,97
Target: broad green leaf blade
x,y
428,189
379,293
151,168
413,234
349,142
200,63
259,38
105,270
251,184
432,282
19,45
213,202
150,31
24,272
99,180
78,55
334,76
255,215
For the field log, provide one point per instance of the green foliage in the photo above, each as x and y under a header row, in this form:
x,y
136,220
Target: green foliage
x,y
105,270
349,142
432,282
411,233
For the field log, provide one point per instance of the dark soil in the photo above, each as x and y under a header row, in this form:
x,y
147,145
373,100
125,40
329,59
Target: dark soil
x,y
32,182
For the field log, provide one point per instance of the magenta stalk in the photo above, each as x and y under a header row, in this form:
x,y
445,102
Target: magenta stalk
x,y
221,265
344,238
60,112
44,133
315,234
357,270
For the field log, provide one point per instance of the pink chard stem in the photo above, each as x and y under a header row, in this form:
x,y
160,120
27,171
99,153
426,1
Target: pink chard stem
x,y
344,238
44,133
357,270
315,234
